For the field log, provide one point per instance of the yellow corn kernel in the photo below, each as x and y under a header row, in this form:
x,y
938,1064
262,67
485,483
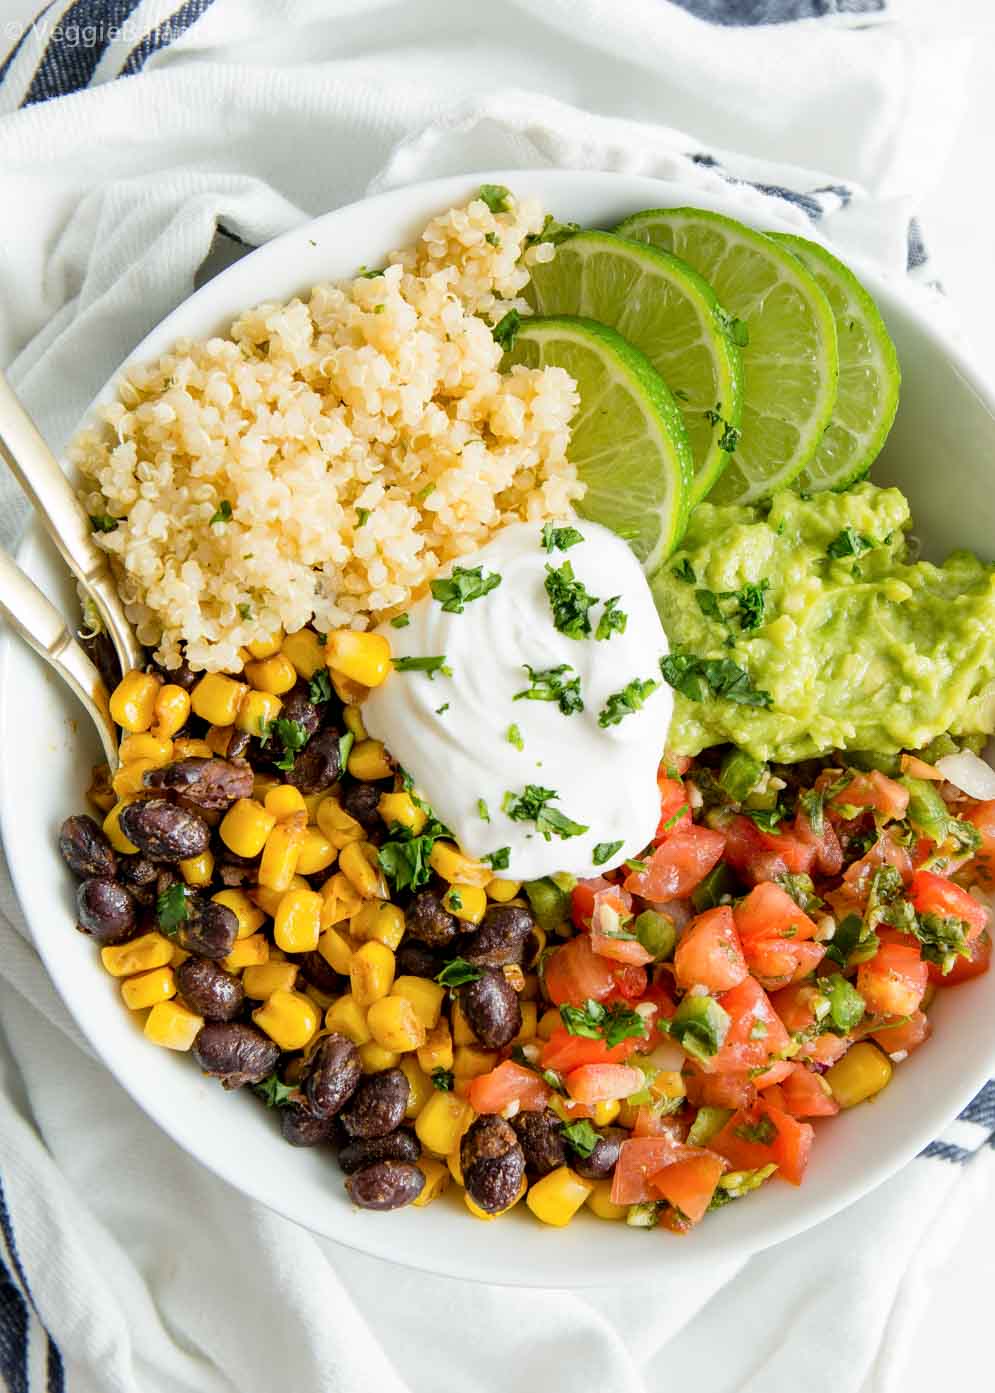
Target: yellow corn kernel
x,y
462,1034
369,761
247,952
100,793
312,801
297,924
363,875
556,1198
249,916
441,1123
179,956
269,900
354,722
394,1025
256,712
448,861
402,809
469,1061
379,920
245,827
364,658
278,863
627,1114
172,707
606,1113
528,1031
371,972
436,1180
198,870
669,1085
284,801
339,827
420,1086
316,851
288,1018
479,1213
171,1025
268,646
275,675
548,1022
862,1072
191,749
216,698
336,949
454,1166
502,890
305,650
437,1051
146,747
375,1059
426,997
148,988
321,999
467,902
133,700
346,1017
339,901
350,693
599,1202
142,954
130,778
262,980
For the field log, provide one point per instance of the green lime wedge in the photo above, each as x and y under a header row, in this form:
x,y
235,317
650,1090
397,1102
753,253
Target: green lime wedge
x,y
667,310
870,377
790,364
627,438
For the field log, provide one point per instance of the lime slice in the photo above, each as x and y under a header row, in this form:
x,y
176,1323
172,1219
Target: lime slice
x,y
869,374
668,311
790,364
627,438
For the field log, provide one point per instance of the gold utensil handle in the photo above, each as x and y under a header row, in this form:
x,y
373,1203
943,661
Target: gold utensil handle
x,y
33,616
64,518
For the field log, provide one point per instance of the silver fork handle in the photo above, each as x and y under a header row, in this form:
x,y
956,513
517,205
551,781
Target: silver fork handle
x,y
33,616
64,519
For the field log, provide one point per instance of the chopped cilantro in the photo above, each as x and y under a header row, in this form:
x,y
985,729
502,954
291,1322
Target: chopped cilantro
x,y
684,571
293,736
171,908
482,811
708,603
845,939
346,742
729,438
454,900
552,231
441,710
492,239
559,538
767,819
549,685
582,1136
430,666
223,514
496,197
762,1132
443,1080
701,679
364,516
245,611
751,602
505,331
365,274
942,938
319,688
626,702
400,621
569,600
812,804
613,620
498,860
604,851
846,1005
103,522
799,886
675,817
465,584
457,972
531,805
514,737
273,1092
849,543
613,1023
405,859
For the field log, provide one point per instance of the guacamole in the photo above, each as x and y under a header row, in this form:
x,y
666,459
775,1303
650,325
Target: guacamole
x,y
804,625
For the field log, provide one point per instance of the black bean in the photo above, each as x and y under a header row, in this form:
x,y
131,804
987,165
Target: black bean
x,y
319,764
492,1162
234,876
182,676
500,939
416,960
316,970
210,929
86,850
298,706
164,831
100,649
105,909
428,920
300,1127
238,744
140,875
235,1053
360,801
601,1162
401,1145
332,1075
211,784
540,1137
491,1007
378,1105
386,1185
209,990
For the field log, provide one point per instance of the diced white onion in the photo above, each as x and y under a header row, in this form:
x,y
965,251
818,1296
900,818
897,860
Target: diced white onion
x,y
511,1109
667,1055
969,773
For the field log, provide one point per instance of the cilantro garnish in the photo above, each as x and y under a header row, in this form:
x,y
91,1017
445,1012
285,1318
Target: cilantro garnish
x,y
849,543
365,274
702,679
498,860
443,1080
699,1025
293,736
457,972
441,710
319,688
505,331
364,516
675,817
400,621
482,811
430,666
492,239
750,604
171,908
604,851
273,1092
559,538
103,522
846,1005
684,571
729,438
767,819
613,1023
626,702
465,584
613,620
245,611
405,859
223,514
531,805
496,197
346,742
552,231
761,1133
812,804
582,1136
569,600
514,737
549,685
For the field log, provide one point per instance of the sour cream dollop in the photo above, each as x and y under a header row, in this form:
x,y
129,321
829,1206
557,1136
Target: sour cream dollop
x,y
458,736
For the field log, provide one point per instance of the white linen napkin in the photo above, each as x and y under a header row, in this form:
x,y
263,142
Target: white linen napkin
x,y
126,1267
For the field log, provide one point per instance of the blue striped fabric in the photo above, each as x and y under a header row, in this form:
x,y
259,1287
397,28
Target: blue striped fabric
x,y
17,1315
165,34
744,12
68,64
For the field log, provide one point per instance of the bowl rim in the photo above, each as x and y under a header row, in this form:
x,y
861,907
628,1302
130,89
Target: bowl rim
x,y
374,1239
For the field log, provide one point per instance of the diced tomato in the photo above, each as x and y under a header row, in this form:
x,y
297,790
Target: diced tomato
x,y
828,852
676,867
764,1134
734,1090
709,953
795,1007
983,817
770,912
966,968
775,963
779,1070
675,1222
755,1031
630,982
904,1035
564,1052
638,1159
919,769
575,972
603,1083
885,852
671,764
825,1049
582,900
612,909
690,1184
650,1124
893,981
873,790
805,1095
757,856
508,1083
660,996
934,894
675,810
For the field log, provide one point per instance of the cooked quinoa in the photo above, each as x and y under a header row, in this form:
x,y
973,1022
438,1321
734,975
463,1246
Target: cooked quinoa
x,y
328,455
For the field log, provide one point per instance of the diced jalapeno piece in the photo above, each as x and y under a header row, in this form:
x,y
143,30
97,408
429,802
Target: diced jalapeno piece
x,y
550,900
657,933
710,891
699,1025
874,759
927,811
740,773
705,1126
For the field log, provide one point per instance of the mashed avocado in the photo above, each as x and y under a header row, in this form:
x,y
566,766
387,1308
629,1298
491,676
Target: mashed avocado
x,y
804,626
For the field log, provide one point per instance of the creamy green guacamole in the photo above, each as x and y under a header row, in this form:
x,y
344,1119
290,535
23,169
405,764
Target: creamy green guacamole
x,y
856,647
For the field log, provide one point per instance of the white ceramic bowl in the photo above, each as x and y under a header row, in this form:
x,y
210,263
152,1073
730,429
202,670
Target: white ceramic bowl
x,y
940,453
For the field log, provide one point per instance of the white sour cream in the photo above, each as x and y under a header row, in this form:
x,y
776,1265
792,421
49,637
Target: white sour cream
x,y
451,734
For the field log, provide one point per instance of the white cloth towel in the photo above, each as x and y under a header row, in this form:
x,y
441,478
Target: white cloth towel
x,y
129,1269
